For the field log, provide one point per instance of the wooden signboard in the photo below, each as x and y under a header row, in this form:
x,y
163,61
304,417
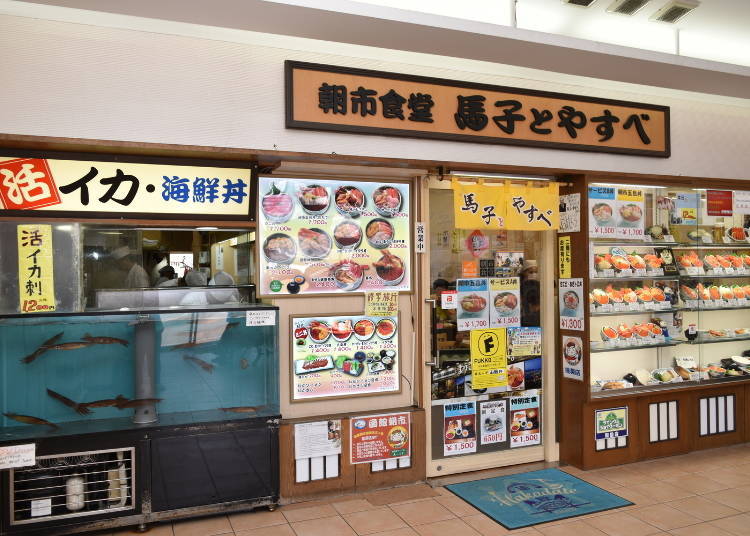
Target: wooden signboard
x,y
333,98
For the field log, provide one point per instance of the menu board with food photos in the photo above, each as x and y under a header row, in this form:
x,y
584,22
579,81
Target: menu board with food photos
x,y
616,212
344,355
333,236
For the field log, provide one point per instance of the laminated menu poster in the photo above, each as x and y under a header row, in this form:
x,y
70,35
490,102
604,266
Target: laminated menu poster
x,y
473,300
380,437
344,355
525,421
525,374
630,215
332,236
572,349
460,428
686,209
570,294
505,300
492,416
524,342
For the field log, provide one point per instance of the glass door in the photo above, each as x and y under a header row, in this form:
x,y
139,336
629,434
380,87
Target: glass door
x,y
484,413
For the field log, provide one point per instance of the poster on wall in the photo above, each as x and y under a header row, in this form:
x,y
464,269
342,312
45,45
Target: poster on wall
x,y
380,437
570,213
473,297
741,202
525,424
572,359
570,294
508,263
686,209
611,423
564,257
36,279
459,428
492,417
719,202
630,215
524,342
505,302
313,439
330,236
344,355
602,210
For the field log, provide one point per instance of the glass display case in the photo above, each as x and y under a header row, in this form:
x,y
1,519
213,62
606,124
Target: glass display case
x,y
74,374
669,282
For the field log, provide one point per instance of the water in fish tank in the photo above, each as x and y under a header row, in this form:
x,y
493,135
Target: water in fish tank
x,y
76,374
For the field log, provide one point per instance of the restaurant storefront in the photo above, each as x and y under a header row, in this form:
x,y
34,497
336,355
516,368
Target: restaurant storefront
x,y
354,306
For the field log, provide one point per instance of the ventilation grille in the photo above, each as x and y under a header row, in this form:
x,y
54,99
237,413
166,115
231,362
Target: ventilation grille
x,y
627,7
581,3
674,11
72,485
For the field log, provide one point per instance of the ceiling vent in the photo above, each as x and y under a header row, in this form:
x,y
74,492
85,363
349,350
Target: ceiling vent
x,y
674,11
627,7
581,3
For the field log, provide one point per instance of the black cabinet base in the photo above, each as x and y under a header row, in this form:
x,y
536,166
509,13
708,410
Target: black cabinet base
x,y
180,472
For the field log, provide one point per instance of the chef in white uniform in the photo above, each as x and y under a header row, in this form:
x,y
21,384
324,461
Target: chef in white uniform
x,y
126,259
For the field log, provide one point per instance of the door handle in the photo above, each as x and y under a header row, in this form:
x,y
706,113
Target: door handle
x,y
433,334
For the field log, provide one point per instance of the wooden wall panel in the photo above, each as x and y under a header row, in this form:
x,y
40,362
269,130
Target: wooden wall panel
x,y
593,459
727,438
685,426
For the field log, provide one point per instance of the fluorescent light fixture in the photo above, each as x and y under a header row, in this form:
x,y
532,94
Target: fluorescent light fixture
x,y
63,227
618,185
206,228
477,175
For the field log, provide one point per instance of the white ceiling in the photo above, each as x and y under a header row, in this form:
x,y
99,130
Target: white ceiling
x,y
718,30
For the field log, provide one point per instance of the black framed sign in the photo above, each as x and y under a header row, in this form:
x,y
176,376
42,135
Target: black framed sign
x,y
333,98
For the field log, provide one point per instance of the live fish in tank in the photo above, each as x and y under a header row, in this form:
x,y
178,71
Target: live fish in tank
x,y
28,419
79,408
244,363
43,348
104,340
208,367
62,346
106,403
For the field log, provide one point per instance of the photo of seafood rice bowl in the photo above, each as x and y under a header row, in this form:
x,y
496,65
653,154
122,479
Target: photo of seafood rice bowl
x,y
276,205
602,213
349,200
387,200
314,243
347,235
379,233
473,304
314,198
347,275
390,268
279,248
506,303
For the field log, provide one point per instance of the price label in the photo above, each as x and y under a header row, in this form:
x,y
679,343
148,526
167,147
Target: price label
x,y
657,271
634,306
706,239
718,270
647,238
640,272
729,271
741,271
691,304
607,308
571,323
622,306
625,273
649,306
709,304
663,305
520,441
727,240
694,270
609,274
17,456
742,302
669,238
734,303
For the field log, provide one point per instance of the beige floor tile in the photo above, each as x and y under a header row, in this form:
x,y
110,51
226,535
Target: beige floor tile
x,y
154,529
356,505
727,476
406,531
626,477
703,529
418,513
738,525
703,508
305,504
328,526
621,524
636,497
737,498
402,494
207,526
313,512
697,484
600,481
484,525
254,520
372,521
446,528
576,528
275,530
661,491
664,517
458,507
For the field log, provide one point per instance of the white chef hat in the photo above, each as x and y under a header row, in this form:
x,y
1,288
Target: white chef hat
x,y
122,251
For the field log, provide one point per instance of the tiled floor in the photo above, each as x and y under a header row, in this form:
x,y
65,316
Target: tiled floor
x,y
700,494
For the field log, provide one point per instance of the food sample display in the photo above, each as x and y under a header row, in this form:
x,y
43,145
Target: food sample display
x,y
671,306
330,236
344,356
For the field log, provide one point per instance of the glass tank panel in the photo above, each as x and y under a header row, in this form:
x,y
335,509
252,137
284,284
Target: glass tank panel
x,y
62,375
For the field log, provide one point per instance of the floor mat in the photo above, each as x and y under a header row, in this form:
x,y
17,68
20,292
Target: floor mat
x,y
526,499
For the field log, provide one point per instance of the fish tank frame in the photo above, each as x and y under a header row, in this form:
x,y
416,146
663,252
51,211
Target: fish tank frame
x,y
134,442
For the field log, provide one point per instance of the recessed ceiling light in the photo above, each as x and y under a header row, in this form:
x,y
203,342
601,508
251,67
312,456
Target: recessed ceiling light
x,y
627,7
580,3
674,11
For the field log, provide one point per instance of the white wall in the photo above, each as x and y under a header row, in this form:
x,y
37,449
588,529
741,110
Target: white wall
x,y
82,81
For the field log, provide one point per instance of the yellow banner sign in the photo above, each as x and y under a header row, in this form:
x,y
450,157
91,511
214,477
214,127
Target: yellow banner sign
x,y
335,98
489,360
381,303
80,187
533,208
36,280
564,256
478,206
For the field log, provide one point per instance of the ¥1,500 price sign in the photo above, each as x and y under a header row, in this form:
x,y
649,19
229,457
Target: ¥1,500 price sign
x,y
570,292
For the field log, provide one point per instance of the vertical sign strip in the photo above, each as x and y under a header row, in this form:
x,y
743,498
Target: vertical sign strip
x,y
36,282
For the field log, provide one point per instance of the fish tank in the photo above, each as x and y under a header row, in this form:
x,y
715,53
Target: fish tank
x,y
67,374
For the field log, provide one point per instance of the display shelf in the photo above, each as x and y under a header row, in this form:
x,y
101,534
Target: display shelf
x,y
639,243
641,312
646,390
598,347
713,340
638,278
717,245
704,309
715,276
